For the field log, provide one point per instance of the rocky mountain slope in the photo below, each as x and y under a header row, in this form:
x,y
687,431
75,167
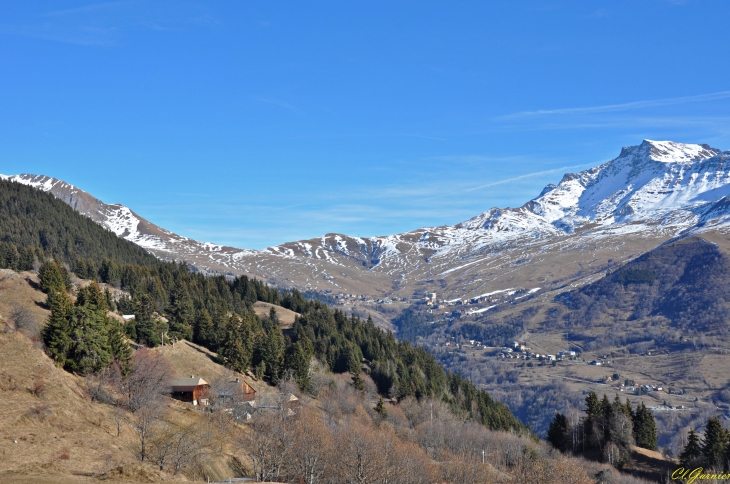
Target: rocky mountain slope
x,y
569,234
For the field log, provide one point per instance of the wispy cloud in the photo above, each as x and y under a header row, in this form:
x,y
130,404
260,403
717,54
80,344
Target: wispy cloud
x,y
95,7
105,23
622,106
85,35
479,159
530,175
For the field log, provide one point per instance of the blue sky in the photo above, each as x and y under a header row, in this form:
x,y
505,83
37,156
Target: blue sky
x,y
256,123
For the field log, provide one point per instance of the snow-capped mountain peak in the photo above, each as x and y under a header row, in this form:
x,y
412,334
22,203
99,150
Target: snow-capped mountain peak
x,y
655,191
671,152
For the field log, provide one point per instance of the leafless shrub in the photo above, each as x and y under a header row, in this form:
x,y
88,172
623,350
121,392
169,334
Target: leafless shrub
x,y
119,417
180,448
40,412
290,386
25,320
38,387
12,383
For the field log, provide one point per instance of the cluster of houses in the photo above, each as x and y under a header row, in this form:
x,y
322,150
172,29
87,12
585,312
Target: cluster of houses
x,y
493,298
347,298
234,395
640,389
519,350
472,344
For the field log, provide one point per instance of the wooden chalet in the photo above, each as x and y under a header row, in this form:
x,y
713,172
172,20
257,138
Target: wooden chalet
x,y
235,392
193,389
277,401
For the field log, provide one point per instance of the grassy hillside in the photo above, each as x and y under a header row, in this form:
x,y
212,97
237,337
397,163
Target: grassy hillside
x,y
224,315
221,314
65,436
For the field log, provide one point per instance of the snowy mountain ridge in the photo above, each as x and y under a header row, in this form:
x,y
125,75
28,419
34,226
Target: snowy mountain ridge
x,y
655,191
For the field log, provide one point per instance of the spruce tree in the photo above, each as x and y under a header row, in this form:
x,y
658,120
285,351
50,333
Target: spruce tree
x,y
57,332
273,352
606,408
147,331
714,443
118,346
628,409
220,327
181,312
89,350
558,432
109,300
233,352
355,370
381,410
92,295
298,361
593,405
692,453
592,418
130,329
273,317
645,433
203,328
54,277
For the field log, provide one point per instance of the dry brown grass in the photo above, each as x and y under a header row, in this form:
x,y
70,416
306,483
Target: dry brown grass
x,y
286,317
50,430
17,293
59,432
188,359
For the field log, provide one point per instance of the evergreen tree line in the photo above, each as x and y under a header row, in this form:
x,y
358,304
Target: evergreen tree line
x,y
34,225
710,452
81,336
610,428
171,302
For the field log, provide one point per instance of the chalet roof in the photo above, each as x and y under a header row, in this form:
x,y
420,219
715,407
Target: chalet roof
x,y
230,387
186,383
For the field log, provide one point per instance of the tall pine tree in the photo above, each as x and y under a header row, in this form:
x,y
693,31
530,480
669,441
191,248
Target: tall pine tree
x,y
558,433
645,433
714,443
691,455
57,332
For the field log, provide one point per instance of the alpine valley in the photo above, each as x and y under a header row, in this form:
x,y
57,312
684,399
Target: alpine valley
x,y
622,267
567,236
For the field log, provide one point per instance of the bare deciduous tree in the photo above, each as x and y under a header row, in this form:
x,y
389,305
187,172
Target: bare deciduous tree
x,y
179,447
311,447
267,443
143,421
142,392
360,459
148,380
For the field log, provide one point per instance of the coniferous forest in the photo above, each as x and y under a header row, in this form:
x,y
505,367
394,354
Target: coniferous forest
x,y
170,301
609,429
